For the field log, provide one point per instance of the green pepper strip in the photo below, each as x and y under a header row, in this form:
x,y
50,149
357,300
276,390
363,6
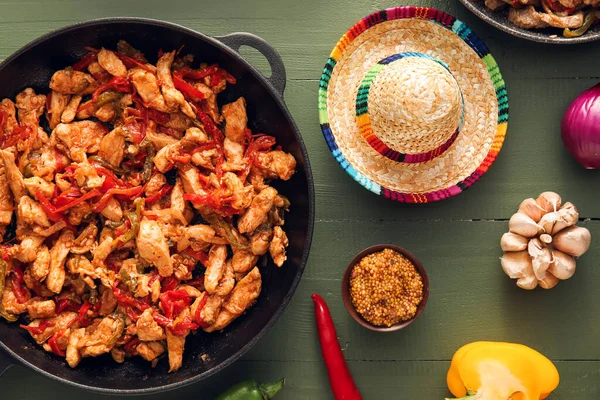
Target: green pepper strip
x,y
220,225
251,390
134,218
107,165
7,316
108,97
588,20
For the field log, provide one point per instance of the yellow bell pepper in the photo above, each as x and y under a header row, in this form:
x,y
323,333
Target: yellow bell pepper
x,y
500,371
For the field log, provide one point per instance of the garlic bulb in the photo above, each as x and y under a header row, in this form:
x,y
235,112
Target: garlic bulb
x,y
543,242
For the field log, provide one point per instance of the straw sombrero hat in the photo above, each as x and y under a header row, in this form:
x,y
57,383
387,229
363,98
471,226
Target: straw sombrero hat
x,y
412,105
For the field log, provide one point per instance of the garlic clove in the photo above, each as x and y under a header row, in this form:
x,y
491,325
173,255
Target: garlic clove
x,y
562,266
567,216
549,281
530,208
574,240
523,225
517,264
549,201
540,258
528,282
513,242
548,221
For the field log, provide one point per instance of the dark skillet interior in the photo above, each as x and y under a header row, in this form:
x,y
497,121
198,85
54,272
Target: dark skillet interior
x,y
34,67
499,19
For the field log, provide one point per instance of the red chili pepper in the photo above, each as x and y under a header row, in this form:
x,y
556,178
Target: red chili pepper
x,y
118,83
188,90
161,319
160,194
38,330
169,283
340,378
54,346
197,74
84,62
197,316
131,62
197,255
17,282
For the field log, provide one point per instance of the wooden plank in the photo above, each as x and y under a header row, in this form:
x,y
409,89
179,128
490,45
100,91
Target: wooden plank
x,y
471,298
308,380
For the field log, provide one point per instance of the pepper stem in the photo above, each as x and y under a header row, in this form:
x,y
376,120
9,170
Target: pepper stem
x,y
269,390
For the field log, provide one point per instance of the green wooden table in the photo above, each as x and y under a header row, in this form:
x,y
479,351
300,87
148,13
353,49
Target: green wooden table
x,y
457,240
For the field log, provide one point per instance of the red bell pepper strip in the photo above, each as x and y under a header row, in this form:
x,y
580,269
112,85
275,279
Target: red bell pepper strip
x,y
131,346
163,191
21,294
340,378
59,200
85,61
124,193
54,345
197,74
188,90
210,125
78,200
215,78
173,302
131,62
181,328
161,319
118,83
19,134
38,330
197,255
197,316
66,305
82,315
169,283
158,116
125,299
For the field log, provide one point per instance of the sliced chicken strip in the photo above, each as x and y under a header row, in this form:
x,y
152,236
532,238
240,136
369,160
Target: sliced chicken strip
x,y
152,246
58,255
215,267
111,63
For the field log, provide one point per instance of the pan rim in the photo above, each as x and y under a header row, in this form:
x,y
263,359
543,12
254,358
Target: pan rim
x,y
530,35
311,202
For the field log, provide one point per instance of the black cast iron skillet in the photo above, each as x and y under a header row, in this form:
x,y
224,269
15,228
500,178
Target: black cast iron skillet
x,y
33,66
499,19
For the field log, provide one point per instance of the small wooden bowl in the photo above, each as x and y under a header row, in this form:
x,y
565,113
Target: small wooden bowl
x,y
346,287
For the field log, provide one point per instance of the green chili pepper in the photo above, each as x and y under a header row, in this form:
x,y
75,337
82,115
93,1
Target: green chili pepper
x,y
134,218
7,316
113,224
106,164
251,390
588,20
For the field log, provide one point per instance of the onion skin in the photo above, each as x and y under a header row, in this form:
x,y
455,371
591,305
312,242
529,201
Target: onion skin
x,y
580,128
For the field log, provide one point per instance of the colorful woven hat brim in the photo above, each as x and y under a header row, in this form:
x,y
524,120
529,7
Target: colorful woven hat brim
x,y
465,156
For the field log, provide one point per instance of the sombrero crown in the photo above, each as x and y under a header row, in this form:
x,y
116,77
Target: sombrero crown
x,y
412,104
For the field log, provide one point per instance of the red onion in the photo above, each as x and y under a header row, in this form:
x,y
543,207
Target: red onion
x,y
581,128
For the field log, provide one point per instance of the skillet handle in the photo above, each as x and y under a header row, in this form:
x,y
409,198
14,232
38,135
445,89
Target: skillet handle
x,y
238,39
6,361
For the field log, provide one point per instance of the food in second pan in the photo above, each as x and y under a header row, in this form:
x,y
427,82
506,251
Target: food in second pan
x,y
139,216
574,17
